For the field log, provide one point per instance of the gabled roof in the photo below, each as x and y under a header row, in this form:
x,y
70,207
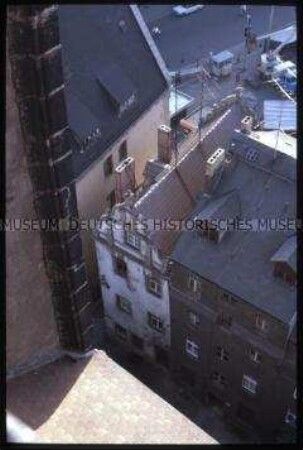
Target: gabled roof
x,y
227,205
113,73
174,196
242,264
287,253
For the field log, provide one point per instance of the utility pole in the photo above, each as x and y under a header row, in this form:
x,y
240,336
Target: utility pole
x,y
201,104
271,18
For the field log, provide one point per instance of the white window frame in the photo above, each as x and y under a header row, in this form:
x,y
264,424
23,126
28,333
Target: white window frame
x,y
121,302
133,239
192,348
193,282
261,323
254,356
293,417
249,384
155,322
193,318
157,284
223,353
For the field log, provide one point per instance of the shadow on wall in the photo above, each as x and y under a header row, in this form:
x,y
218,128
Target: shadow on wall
x,y
35,396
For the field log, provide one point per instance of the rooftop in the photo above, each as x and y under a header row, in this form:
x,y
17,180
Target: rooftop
x,y
241,262
278,140
113,74
178,101
175,194
96,401
280,114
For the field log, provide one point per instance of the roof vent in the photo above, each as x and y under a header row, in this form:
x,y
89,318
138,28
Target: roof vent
x,y
215,161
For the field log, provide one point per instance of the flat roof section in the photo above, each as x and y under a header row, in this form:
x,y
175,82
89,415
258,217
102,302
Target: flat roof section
x,y
178,101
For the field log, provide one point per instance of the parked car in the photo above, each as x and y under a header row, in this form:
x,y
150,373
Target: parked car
x,y
181,10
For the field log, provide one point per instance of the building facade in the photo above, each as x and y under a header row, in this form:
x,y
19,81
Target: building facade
x,y
134,284
117,90
232,293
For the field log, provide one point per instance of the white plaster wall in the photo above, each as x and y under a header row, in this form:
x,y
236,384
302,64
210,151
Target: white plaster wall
x,y
142,301
142,144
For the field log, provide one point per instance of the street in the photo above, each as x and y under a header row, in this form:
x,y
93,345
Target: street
x,y
183,40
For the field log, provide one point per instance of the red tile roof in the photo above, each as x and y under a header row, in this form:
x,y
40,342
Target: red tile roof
x,y
169,198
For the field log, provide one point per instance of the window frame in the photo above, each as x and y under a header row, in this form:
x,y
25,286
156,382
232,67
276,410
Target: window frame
x,y
123,146
219,379
196,322
264,327
108,166
189,346
196,282
152,320
117,259
152,279
127,310
222,353
134,235
256,352
119,333
248,381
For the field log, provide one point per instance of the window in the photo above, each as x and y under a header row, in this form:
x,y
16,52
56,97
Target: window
x,y
192,349
132,239
254,356
111,199
108,166
154,286
192,282
290,418
225,320
193,318
228,298
249,384
123,151
222,354
124,304
120,267
261,323
137,341
154,322
219,379
120,332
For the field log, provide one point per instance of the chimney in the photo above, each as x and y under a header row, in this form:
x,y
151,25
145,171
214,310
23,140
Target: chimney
x,y
164,144
125,178
215,161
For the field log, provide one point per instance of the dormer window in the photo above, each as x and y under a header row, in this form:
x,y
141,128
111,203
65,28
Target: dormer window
x,y
132,239
285,261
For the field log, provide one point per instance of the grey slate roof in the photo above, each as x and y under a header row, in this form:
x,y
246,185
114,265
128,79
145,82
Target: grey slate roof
x,y
106,61
241,262
287,253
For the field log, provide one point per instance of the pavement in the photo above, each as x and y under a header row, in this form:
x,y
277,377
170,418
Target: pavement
x,y
184,40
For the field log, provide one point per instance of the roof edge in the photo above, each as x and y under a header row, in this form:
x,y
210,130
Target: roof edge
x,y
149,39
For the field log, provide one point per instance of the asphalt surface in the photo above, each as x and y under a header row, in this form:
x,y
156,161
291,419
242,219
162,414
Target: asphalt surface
x,y
184,40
